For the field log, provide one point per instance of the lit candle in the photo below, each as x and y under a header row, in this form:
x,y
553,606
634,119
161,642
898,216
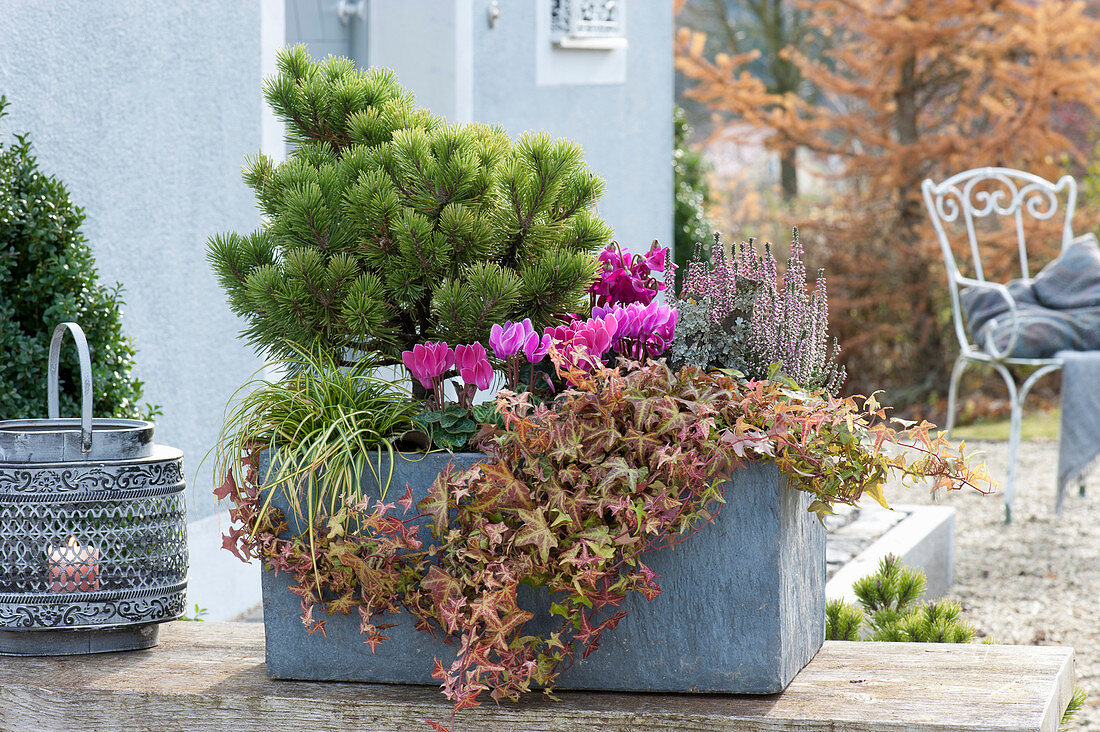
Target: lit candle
x,y
74,568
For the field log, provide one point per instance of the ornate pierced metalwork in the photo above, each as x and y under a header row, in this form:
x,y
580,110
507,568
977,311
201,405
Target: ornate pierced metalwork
x,y
92,529
45,482
81,612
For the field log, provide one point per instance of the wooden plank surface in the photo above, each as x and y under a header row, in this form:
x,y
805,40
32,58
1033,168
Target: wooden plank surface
x,y
210,677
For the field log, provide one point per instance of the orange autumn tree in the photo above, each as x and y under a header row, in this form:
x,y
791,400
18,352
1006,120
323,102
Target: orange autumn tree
x,y
912,89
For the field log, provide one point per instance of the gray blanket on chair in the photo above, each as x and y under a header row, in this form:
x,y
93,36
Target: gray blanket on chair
x,y
1059,310
1058,315
1079,441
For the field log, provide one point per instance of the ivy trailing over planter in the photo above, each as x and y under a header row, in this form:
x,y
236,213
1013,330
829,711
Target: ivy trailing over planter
x,y
572,495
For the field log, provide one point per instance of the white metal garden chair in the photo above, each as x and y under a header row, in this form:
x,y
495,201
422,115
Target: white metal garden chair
x,y
963,199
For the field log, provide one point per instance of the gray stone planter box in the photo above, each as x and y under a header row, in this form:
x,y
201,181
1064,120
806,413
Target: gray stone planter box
x,y
743,607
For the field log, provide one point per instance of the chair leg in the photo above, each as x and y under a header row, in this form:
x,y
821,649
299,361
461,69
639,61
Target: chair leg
x,y
953,392
1013,438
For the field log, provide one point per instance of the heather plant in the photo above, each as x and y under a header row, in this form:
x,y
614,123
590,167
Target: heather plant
x,y
736,313
565,501
387,227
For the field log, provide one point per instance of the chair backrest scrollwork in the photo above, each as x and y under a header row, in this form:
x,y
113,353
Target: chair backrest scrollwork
x,y
965,198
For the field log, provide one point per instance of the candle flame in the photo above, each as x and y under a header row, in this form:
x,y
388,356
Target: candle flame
x,y
73,543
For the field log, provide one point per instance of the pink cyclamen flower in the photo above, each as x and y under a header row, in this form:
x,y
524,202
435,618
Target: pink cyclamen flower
x,y
428,362
643,329
655,257
473,365
584,342
535,349
509,339
598,334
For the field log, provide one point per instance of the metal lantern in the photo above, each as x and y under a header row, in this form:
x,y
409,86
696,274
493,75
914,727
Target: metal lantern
x,y
93,542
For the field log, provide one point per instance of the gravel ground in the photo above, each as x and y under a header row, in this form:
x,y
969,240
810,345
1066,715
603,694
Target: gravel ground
x,y
1037,581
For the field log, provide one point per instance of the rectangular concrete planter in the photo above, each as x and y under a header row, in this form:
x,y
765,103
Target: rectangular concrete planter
x,y
743,607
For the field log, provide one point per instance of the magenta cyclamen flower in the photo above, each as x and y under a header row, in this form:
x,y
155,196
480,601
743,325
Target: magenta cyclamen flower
x,y
584,342
626,278
473,365
644,330
428,362
535,349
509,339
655,257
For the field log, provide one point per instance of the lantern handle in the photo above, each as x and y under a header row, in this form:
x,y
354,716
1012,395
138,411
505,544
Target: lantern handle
x,y
85,380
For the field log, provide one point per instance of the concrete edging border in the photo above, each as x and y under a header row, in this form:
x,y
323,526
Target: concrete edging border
x,y
925,539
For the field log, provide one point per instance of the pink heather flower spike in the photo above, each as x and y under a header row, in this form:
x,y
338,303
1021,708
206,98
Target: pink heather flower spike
x,y
428,362
473,365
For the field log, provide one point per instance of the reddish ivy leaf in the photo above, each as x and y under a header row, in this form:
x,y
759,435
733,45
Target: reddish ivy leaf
x,y
406,501
227,488
441,586
343,604
535,532
436,504
437,726
500,489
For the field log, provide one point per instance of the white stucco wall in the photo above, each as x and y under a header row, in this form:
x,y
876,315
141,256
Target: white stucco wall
x,y
146,111
617,104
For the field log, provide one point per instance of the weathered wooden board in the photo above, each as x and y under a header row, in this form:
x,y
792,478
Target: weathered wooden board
x,y
210,677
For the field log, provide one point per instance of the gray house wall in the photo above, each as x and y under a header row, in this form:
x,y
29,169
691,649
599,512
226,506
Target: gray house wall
x,y
146,110
625,127
617,104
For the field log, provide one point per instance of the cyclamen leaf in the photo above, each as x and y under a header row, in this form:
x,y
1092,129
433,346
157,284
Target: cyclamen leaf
x,y
450,441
